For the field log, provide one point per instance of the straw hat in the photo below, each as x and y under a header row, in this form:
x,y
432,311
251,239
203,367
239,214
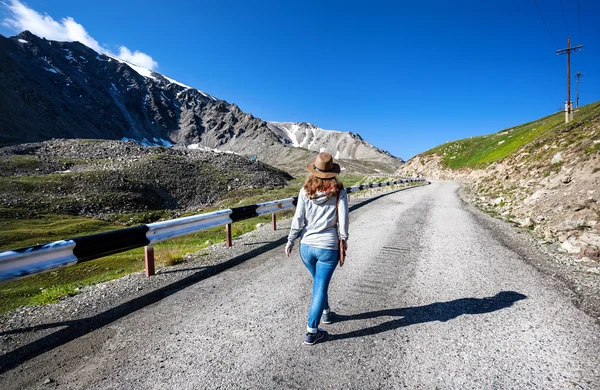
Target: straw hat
x,y
323,167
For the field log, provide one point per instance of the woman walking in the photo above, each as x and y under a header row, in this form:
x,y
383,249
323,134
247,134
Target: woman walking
x,y
321,221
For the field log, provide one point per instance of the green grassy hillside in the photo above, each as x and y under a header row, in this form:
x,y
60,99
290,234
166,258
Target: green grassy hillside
x,y
479,152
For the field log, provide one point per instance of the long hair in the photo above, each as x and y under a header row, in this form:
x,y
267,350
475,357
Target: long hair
x,y
314,184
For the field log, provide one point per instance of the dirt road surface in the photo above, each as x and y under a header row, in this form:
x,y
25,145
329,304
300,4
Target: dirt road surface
x,y
429,298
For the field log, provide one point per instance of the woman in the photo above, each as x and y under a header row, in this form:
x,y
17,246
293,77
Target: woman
x,y
321,220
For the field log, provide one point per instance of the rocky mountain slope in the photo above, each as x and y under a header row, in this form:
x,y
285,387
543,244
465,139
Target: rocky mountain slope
x,y
52,89
106,179
544,175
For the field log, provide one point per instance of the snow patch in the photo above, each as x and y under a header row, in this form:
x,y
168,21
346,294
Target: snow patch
x,y
145,142
22,40
207,149
83,58
52,70
177,82
100,59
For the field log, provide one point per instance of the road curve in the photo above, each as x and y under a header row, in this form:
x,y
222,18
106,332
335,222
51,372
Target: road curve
x,y
429,298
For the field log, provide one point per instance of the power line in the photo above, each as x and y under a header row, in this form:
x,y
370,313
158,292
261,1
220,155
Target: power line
x,y
564,17
543,21
578,21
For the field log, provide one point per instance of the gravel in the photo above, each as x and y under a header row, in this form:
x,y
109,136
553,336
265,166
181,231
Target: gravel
x,y
433,295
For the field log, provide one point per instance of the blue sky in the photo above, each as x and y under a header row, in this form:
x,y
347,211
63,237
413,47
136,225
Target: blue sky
x,y
406,75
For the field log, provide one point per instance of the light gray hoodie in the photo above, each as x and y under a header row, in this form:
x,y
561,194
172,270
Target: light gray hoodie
x,y
316,220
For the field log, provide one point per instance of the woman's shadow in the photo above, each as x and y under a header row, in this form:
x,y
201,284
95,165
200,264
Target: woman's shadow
x,y
439,311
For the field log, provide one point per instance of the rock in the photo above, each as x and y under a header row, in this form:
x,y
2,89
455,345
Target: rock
x,y
578,207
590,239
497,201
569,247
48,381
259,225
567,179
535,196
557,158
527,223
569,225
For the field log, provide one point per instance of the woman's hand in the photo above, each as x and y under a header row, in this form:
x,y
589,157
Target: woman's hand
x,y
345,245
288,250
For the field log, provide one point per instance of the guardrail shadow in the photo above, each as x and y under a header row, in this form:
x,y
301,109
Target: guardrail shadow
x,y
365,202
439,311
77,328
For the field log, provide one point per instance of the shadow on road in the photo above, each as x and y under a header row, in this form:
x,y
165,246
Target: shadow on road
x,y
439,311
72,330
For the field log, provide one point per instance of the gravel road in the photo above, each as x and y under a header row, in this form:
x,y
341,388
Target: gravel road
x,y
430,297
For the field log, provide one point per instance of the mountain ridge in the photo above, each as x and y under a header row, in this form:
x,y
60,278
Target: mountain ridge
x,y
67,90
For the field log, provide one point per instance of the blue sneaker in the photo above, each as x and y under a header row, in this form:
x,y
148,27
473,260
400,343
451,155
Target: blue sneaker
x,y
312,338
327,318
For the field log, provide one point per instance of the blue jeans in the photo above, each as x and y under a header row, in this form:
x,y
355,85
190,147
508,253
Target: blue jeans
x,y
320,263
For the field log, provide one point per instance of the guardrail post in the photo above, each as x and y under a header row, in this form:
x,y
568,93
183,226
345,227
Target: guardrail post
x,y
149,260
228,235
274,221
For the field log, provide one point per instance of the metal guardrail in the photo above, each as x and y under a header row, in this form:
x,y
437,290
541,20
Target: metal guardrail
x,y
19,263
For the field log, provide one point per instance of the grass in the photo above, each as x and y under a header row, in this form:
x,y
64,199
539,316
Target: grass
x,y
479,152
18,163
52,286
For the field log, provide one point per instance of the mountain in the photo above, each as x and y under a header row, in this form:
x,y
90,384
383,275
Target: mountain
x,y
55,89
342,145
112,179
543,175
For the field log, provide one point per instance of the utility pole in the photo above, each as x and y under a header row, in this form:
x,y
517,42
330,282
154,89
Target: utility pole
x,y
578,75
568,103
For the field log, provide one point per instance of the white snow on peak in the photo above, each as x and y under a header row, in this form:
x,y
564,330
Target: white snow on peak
x,y
177,82
300,134
22,40
149,74
142,71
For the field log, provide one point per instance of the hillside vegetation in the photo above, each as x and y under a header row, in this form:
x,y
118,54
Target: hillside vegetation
x,y
543,175
480,152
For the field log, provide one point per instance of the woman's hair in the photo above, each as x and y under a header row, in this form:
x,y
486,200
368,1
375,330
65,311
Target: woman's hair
x,y
314,184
